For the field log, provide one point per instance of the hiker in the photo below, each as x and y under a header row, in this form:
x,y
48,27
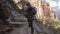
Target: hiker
x,y
30,12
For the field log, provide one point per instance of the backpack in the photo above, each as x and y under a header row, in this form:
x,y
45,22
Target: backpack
x,y
30,12
33,10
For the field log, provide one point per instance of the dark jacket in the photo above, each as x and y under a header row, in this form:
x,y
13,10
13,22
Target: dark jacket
x,y
30,13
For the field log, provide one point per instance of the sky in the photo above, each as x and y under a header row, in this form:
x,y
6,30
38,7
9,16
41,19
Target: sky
x,y
55,4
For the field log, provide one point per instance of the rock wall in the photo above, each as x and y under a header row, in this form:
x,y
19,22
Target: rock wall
x,y
43,8
48,11
35,3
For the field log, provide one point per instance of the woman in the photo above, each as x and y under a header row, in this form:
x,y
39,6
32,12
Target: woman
x,y
29,13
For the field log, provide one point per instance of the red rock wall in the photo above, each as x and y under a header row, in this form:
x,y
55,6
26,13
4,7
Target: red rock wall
x,y
48,11
43,9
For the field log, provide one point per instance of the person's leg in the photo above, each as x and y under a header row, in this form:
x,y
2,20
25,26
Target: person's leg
x,y
30,22
32,29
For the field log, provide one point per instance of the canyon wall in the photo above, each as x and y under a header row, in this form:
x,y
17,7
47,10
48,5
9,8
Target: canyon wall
x,y
48,11
43,8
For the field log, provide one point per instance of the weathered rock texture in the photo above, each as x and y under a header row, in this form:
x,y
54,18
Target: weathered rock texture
x,y
43,8
48,11
35,3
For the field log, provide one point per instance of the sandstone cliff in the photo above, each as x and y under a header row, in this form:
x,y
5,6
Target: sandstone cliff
x,y
48,11
43,8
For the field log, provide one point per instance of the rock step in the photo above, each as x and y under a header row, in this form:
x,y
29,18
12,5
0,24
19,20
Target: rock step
x,y
18,22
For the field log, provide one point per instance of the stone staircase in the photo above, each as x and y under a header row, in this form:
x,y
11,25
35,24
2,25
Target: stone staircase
x,y
19,19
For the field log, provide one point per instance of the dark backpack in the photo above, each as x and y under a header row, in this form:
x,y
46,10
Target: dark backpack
x,y
32,11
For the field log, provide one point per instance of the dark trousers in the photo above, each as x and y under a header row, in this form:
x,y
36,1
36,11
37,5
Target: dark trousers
x,y
30,22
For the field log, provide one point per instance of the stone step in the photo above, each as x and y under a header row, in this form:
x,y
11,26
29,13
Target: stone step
x,y
18,22
19,16
16,14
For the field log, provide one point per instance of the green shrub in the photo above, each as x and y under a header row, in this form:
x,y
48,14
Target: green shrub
x,y
50,23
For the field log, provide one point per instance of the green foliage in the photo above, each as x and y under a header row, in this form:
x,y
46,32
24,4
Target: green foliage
x,y
50,23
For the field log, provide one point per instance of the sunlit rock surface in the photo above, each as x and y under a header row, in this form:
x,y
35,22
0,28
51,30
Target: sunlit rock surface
x,y
48,11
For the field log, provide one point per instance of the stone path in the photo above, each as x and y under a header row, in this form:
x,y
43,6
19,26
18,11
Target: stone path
x,y
23,30
26,30
38,28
